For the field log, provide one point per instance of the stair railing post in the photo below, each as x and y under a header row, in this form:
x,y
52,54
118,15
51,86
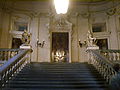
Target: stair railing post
x,y
14,65
29,56
0,81
90,54
90,57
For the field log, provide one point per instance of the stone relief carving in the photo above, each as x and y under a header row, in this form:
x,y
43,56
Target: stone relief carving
x,y
59,24
48,31
86,15
63,24
111,12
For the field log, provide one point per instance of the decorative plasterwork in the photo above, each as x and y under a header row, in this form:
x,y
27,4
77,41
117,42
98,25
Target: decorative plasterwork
x,y
60,24
16,34
19,18
111,12
86,15
92,2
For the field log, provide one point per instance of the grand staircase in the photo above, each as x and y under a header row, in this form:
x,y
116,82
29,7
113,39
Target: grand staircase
x,y
57,76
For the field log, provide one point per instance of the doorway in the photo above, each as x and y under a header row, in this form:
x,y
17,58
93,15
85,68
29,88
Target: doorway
x,y
16,43
60,47
102,43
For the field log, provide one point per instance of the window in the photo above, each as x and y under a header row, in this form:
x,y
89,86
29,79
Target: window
x,y
21,26
99,27
102,43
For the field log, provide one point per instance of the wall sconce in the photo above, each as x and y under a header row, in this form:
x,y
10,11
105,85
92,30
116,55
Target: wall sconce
x,y
40,44
81,44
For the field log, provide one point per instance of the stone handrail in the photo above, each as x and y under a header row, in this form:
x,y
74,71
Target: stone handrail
x,y
111,55
13,66
101,63
6,54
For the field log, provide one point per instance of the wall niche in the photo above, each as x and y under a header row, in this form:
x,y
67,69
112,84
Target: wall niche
x,y
98,27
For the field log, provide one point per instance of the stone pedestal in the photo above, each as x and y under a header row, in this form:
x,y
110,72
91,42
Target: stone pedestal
x,y
25,47
92,47
90,54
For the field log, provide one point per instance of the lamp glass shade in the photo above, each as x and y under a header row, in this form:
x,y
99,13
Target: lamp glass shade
x,y
61,6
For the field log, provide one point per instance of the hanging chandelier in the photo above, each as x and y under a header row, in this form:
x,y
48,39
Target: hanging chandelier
x,y
61,6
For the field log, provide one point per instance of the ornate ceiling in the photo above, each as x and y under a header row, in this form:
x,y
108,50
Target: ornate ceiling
x,y
70,0
80,6
91,1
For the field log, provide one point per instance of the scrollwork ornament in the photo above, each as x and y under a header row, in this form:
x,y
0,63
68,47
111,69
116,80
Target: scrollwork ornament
x,y
111,12
85,15
35,14
91,41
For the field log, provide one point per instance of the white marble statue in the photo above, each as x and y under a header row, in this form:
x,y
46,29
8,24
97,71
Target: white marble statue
x,y
91,41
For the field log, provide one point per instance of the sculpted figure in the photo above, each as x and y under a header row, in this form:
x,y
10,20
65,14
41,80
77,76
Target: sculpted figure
x,y
91,41
26,37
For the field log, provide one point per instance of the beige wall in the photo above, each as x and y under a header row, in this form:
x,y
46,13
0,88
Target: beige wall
x,y
39,17
34,31
0,25
82,32
44,53
5,38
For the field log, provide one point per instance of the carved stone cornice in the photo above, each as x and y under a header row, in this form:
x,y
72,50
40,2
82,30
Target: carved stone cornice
x,y
34,14
72,14
47,14
6,10
16,34
85,15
